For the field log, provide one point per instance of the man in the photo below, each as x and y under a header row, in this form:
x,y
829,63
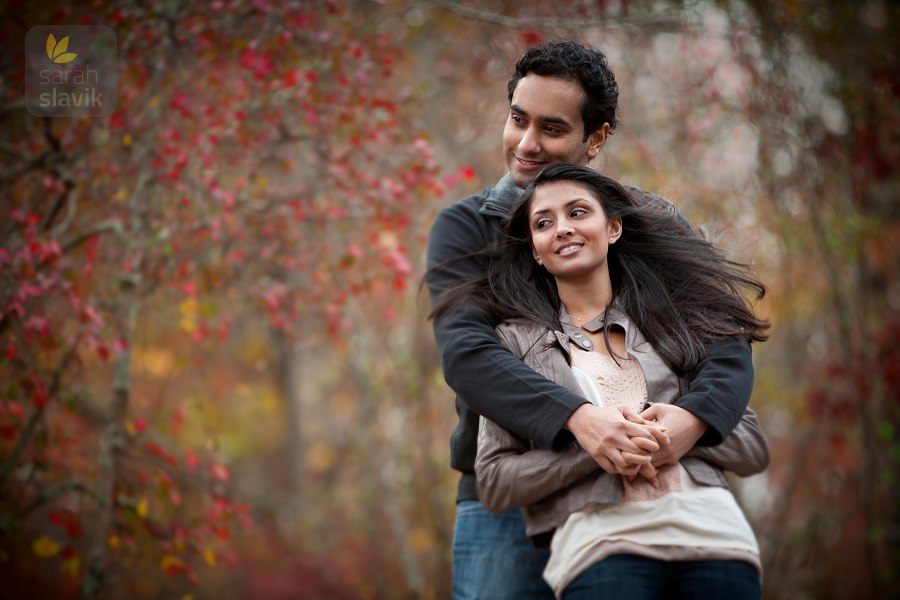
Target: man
x,y
563,99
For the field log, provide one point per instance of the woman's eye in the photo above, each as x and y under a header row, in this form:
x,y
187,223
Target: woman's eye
x,y
578,212
541,224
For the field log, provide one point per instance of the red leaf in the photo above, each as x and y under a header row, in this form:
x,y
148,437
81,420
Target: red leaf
x,y
190,461
177,420
220,472
39,394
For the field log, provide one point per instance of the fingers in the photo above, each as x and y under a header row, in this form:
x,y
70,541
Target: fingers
x,y
630,414
664,457
646,444
652,412
658,432
649,473
637,459
631,472
606,464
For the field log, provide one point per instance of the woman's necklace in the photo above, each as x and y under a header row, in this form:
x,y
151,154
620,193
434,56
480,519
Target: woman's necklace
x,y
583,319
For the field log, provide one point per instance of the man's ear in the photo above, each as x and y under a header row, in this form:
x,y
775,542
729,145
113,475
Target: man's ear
x,y
596,141
614,229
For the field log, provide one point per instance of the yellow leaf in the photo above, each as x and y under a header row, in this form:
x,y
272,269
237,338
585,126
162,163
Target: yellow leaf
x,y
129,427
420,539
127,139
71,566
113,541
321,456
142,508
188,310
51,44
169,560
187,597
45,547
65,58
61,47
153,360
210,557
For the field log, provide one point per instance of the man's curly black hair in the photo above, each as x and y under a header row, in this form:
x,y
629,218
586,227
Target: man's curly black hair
x,y
575,62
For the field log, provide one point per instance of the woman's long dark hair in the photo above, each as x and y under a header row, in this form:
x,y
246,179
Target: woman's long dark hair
x,y
677,288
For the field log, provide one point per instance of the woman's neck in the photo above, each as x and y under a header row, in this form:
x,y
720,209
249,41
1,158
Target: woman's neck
x,y
585,300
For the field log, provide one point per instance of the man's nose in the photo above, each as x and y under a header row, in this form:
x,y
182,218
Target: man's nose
x,y
530,142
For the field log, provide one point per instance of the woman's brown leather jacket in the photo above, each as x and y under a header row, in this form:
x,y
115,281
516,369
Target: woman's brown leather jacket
x,y
551,485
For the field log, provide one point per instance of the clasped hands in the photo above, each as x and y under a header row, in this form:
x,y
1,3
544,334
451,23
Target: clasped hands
x,y
635,444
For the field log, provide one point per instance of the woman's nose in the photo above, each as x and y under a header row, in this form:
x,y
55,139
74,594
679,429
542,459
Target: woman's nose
x,y
564,229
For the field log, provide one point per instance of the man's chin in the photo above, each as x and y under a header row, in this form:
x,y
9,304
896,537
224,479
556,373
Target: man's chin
x,y
520,180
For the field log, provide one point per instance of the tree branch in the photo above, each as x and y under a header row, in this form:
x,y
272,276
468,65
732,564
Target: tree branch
x,y
657,21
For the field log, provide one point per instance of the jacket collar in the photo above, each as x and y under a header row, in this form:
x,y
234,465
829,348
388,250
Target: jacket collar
x,y
499,199
576,335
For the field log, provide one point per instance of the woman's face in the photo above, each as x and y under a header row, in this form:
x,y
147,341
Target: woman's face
x,y
570,234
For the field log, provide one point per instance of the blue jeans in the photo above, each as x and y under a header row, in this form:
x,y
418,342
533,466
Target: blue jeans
x,y
640,578
493,558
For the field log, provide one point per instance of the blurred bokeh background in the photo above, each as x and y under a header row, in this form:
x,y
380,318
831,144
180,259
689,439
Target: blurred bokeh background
x,y
216,376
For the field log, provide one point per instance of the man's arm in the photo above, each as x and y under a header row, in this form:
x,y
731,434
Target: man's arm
x,y
484,373
720,389
720,384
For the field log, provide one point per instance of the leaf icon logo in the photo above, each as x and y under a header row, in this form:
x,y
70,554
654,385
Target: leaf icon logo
x,y
56,51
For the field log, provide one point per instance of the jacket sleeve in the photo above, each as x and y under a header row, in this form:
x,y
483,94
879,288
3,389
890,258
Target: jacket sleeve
x,y
720,389
721,383
509,475
483,373
743,452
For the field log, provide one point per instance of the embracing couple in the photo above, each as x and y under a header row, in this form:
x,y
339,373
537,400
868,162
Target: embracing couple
x,y
600,353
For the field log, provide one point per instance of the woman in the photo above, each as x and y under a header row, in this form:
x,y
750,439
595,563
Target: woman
x,y
616,299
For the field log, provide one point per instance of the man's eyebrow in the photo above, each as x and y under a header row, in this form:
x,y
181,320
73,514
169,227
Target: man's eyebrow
x,y
547,119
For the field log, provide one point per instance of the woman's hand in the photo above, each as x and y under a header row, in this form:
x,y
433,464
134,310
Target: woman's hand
x,y
617,437
642,464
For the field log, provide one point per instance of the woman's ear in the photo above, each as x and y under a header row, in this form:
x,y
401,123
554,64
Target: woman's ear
x,y
614,229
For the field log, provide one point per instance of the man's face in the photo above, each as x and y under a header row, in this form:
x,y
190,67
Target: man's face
x,y
545,126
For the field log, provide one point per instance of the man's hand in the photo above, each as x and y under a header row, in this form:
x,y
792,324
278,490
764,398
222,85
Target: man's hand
x,y
616,437
683,427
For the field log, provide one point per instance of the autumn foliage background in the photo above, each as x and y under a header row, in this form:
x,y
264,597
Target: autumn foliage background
x,y
216,378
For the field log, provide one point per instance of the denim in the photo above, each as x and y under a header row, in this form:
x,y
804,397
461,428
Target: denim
x,y
493,558
640,578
